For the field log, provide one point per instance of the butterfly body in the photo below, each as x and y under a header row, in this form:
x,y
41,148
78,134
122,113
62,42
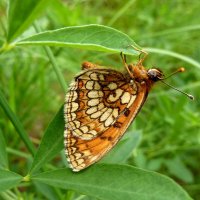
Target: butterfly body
x,y
100,105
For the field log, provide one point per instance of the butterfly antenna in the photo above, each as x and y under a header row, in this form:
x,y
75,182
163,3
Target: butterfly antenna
x,y
188,95
181,69
177,71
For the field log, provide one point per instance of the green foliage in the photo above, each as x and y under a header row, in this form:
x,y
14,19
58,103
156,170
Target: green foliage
x,y
3,153
165,136
15,121
93,37
119,182
9,179
52,142
21,15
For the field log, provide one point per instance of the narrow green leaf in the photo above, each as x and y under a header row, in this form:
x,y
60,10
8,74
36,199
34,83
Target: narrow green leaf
x,y
115,182
121,152
122,11
178,30
174,54
3,153
47,191
52,142
9,179
179,169
93,37
54,64
21,15
16,123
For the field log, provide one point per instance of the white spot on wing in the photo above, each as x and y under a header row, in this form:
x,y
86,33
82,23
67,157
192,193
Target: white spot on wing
x,y
96,115
93,132
133,97
106,114
91,110
93,102
125,97
118,93
85,129
115,113
109,121
89,85
101,77
93,76
70,116
112,86
100,106
97,86
95,94
77,123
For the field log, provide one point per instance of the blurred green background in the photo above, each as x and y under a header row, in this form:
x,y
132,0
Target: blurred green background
x,y
169,122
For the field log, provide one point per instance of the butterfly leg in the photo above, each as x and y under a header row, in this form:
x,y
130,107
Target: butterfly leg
x,y
125,64
123,56
142,52
141,60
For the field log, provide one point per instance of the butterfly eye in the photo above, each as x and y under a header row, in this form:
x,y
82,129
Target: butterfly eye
x,y
155,74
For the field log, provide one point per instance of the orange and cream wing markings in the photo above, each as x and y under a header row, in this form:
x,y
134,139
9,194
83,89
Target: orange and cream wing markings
x,y
82,153
100,105
95,100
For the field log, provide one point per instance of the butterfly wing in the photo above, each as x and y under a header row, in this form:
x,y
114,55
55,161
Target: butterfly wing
x,y
99,107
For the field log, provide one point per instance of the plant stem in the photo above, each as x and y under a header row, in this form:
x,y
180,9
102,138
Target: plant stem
x,y
53,62
120,12
173,54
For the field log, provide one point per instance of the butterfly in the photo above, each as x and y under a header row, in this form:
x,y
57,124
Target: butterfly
x,y
99,107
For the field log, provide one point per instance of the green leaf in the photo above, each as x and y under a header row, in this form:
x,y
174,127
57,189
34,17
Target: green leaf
x,y
122,151
16,123
3,153
178,168
9,179
115,182
21,15
47,191
187,59
93,37
52,142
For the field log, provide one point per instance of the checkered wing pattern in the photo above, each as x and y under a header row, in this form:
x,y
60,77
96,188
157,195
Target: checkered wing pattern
x,y
100,105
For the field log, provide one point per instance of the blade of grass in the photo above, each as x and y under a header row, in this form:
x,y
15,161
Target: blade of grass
x,y
3,153
21,14
173,54
17,124
12,194
171,31
54,63
6,196
120,12
18,153
47,191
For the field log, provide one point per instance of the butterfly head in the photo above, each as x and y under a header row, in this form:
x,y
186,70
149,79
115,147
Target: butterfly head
x,y
140,74
155,74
